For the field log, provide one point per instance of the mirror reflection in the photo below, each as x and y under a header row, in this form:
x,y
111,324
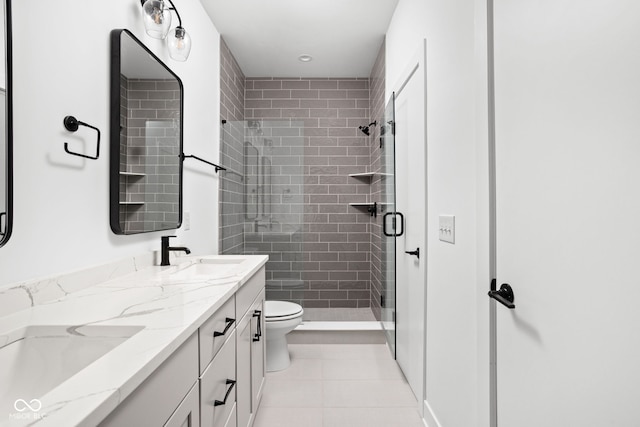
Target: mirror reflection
x,y
265,188
5,126
146,140
251,176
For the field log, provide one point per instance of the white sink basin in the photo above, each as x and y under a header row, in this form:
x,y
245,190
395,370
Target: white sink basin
x,y
222,261
207,269
36,359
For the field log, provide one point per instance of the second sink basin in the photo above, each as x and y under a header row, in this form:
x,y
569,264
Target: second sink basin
x,y
208,269
36,359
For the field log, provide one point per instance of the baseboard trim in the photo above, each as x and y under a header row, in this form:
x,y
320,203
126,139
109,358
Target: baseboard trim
x,y
429,419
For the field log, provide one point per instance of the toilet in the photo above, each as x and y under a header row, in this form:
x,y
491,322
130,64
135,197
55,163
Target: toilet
x,y
281,317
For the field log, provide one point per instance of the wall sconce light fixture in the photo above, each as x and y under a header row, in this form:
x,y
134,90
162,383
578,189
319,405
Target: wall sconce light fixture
x,y
157,21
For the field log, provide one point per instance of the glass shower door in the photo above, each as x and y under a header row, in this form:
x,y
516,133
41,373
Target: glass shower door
x,y
392,224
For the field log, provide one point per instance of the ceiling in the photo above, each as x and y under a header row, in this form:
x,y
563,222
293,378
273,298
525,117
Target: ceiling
x,y
267,36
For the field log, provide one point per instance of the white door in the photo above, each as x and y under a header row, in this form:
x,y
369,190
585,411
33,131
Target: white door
x,y
411,202
567,85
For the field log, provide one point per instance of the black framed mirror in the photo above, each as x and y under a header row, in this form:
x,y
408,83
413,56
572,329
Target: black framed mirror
x,y
6,134
146,139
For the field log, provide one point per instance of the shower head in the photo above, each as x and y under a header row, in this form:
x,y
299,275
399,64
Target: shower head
x,y
365,129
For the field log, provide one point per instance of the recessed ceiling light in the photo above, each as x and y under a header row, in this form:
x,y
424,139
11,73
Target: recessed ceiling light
x,y
305,58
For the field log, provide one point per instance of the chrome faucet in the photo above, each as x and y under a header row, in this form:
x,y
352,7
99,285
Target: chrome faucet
x,y
165,249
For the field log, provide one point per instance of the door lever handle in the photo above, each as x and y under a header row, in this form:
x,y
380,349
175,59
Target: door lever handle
x,y
504,295
416,252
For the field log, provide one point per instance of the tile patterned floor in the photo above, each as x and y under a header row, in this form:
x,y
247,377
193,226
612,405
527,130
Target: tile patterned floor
x,y
338,385
338,314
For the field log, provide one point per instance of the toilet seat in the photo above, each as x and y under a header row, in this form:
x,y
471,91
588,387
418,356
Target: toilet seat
x,y
277,311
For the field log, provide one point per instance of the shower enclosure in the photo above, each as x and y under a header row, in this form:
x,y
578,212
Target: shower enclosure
x,y
314,220
392,224
262,194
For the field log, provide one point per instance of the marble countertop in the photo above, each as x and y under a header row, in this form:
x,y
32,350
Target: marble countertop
x,y
166,305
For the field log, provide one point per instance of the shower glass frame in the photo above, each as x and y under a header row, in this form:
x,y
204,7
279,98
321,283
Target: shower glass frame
x,y
388,242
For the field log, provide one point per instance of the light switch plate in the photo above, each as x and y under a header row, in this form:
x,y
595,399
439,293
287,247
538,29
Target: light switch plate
x,y
447,228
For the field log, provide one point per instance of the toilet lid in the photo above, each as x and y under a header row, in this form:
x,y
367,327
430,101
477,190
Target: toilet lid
x,y
278,310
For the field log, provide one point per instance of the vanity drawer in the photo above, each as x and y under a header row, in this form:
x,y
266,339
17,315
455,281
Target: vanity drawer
x,y
231,422
217,386
248,292
155,400
215,332
188,413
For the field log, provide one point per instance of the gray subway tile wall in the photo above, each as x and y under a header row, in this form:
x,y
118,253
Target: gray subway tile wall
x,y
312,125
231,193
377,102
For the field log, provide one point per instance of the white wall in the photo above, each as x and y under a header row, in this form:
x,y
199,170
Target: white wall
x,y
61,67
457,347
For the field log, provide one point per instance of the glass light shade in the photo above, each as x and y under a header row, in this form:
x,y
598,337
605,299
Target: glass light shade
x,y
179,44
157,18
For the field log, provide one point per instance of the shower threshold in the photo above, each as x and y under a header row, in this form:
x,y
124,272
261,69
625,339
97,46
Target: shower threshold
x,y
338,314
333,332
317,325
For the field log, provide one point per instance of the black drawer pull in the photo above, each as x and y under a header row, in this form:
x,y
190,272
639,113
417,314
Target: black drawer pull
x,y
226,396
230,322
258,334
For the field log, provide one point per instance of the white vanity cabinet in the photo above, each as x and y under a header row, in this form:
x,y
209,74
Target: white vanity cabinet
x,y
250,349
215,378
218,387
154,402
215,332
188,413
258,361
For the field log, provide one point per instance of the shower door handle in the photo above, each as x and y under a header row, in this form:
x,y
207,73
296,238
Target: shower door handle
x,y
395,223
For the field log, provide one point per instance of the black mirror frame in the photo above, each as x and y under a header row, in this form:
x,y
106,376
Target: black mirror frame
x,y
114,128
8,217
